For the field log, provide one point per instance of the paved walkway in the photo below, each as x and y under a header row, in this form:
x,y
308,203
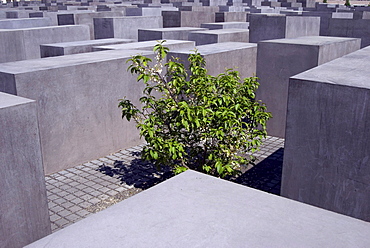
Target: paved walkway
x,y
75,193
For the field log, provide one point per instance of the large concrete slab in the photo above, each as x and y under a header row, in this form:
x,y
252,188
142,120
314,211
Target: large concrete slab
x,y
219,36
196,210
74,47
22,44
359,28
326,156
224,25
279,59
275,26
149,45
221,56
177,33
77,97
25,23
124,27
24,213
187,18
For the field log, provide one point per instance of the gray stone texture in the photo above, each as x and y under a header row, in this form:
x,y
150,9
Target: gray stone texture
x,y
124,27
358,28
219,36
224,25
148,45
74,47
221,56
231,17
25,23
275,26
197,210
177,33
23,204
22,44
187,18
279,59
88,19
77,97
326,157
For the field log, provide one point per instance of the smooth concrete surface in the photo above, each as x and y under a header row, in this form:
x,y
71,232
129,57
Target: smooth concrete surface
x,y
24,214
219,36
74,47
124,27
22,44
197,210
279,59
77,97
149,45
187,18
224,25
177,33
276,26
221,56
326,155
25,23
351,28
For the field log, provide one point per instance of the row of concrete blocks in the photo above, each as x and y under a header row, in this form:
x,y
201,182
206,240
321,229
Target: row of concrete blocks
x,y
77,119
262,27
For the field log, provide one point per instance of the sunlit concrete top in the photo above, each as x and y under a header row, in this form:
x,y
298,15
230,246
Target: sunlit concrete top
x,y
196,210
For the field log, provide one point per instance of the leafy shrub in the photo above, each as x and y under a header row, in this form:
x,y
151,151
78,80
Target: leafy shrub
x,y
191,120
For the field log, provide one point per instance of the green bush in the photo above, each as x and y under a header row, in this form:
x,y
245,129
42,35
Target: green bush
x,y
191,120
347,3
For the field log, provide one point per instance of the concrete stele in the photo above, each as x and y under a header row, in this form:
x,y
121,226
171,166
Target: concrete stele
x,y
326,156
197,210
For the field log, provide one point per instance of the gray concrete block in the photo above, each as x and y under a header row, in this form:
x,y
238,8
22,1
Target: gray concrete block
x,y
277,60
177,33
326,155
143,11
77,97
219,36
25,23
225,25
187,18
124,27
274,26
24,211
22,44
221,56
196,210
149,45
231,17
74,47
359,28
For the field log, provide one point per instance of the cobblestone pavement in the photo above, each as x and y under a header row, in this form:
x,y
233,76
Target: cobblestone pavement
x,y
75,193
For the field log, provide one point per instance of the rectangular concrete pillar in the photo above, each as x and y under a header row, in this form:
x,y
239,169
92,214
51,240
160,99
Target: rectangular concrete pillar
x,y
22,44
220,56
276,26
177,33
124,27
214,213
24,214
326,156
277,60
219,36
77,98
